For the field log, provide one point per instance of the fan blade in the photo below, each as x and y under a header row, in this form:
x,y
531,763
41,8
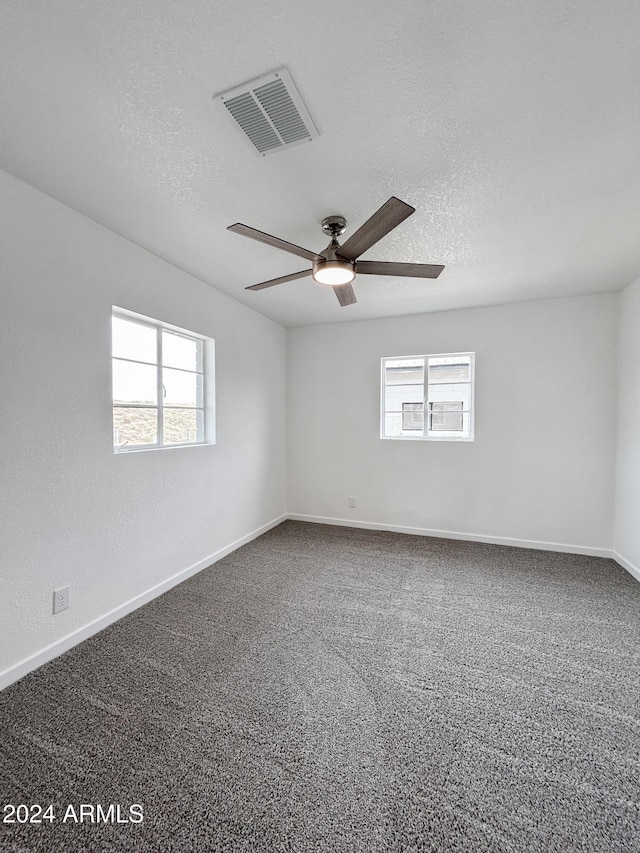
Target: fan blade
x,y
280,280
276,242
345,294
390,268
391,214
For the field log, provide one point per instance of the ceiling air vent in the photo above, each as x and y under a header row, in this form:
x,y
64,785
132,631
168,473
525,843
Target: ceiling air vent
x,y
269,112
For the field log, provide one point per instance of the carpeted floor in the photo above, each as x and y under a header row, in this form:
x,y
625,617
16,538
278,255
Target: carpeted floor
x,y
330,689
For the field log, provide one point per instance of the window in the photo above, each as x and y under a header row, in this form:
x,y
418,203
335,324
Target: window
x,y
428,397
159,379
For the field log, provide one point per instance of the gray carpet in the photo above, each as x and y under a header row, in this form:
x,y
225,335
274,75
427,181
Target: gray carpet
x,y
330,689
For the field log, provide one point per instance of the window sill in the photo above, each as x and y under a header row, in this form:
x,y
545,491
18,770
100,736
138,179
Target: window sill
x,y
425,439
123,451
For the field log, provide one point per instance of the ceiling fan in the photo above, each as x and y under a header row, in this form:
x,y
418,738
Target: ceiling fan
x,y
338,265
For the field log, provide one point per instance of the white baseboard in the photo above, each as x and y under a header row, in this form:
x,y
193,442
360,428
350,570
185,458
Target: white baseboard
x,y
23,667
634,571
454,534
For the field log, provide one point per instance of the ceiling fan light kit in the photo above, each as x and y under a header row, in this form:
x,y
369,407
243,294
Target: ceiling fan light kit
x,y
333,272
337,266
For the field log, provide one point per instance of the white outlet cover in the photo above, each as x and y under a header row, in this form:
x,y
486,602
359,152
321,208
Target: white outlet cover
x,y
60,599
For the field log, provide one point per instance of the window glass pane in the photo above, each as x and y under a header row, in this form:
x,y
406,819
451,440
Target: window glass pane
x,y
446,416
178,351
134,426
413,416
132,340
449,370
134,383
183,426
180,388
396,396
409,371
442,393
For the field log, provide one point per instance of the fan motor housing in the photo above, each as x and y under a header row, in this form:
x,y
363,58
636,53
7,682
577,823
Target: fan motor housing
x,y
331,268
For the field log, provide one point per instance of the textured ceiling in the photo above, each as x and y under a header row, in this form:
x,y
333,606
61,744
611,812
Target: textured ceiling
x,y
512,127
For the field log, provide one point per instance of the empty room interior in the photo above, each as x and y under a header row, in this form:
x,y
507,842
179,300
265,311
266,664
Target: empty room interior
x,y
287,569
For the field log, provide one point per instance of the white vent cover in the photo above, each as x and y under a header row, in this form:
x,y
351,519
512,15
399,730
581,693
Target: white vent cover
x,y
270,113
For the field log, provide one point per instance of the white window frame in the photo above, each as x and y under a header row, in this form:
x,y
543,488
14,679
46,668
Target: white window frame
x,y
207,361
426,434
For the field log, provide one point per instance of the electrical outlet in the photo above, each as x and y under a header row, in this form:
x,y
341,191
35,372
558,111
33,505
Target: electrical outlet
x,y
352,502
60,599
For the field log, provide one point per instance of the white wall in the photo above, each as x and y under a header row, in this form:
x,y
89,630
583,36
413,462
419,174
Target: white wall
x,y
73,513
541,468
626,542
